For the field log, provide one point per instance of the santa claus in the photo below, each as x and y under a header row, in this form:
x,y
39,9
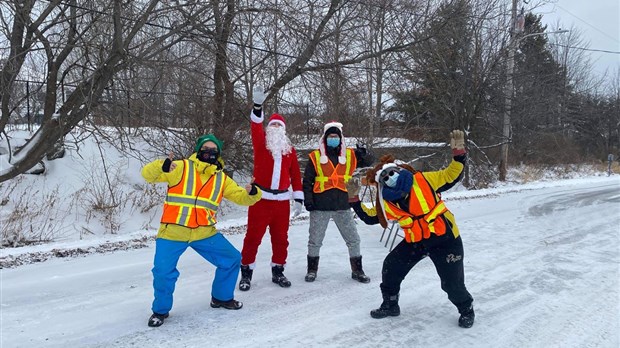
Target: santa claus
x,y
276,169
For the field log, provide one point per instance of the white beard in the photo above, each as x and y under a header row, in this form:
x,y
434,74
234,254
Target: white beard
x,y
277,141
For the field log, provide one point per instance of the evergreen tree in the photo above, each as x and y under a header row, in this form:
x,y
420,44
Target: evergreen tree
x,y
446,78
539,87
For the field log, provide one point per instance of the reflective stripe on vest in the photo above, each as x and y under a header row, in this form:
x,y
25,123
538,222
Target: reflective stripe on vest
x,y
425,207
328,176
191,203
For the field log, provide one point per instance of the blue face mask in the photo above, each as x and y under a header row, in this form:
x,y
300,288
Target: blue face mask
x,y
391,181
333,142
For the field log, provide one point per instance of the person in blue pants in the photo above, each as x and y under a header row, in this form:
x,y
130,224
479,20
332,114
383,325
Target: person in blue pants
x,y
196,187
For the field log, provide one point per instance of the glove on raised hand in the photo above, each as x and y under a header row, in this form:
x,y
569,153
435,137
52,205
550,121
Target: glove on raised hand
x,y
258,96
353,189
457,142
297,207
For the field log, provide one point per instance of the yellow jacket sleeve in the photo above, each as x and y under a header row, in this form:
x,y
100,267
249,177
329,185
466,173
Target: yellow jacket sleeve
x,y
365,213
153,173
370,211
237,194
445,177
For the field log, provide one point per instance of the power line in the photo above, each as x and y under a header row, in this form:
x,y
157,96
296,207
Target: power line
x,y
586,49
588,24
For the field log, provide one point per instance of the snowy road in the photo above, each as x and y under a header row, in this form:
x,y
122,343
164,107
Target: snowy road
x,y
542,264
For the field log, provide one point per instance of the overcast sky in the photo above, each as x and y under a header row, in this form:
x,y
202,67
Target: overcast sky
x,y
599,20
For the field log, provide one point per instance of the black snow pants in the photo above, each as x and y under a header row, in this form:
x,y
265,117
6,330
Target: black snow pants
x,y
445,251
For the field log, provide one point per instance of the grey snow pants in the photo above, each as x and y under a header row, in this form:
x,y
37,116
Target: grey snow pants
x,y
319,219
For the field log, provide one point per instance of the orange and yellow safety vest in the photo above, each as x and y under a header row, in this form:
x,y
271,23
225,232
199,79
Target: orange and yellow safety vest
x,y
192,203
329,176
424,215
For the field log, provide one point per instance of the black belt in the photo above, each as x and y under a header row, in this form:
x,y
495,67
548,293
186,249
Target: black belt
x,y
275,192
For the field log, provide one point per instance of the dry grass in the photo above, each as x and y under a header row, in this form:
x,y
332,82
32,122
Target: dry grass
x,y
528,173
31,217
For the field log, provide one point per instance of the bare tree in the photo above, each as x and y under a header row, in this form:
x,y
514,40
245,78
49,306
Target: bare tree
x,y
92,40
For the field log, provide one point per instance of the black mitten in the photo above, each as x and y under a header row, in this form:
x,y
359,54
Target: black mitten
x,y
166,166
253,191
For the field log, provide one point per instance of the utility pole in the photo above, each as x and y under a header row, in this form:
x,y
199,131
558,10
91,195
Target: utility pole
x,y
516,28
508,92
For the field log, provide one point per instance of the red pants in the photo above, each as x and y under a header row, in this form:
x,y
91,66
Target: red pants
x,y
267,213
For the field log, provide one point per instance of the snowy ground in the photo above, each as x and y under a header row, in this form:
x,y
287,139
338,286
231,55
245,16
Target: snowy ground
x,y
541,260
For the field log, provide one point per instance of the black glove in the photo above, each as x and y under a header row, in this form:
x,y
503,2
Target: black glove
x,y
166,166
361,149
309,207
253,191
364,158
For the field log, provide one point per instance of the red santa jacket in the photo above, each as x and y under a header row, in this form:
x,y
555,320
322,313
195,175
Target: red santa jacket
x,y
274,174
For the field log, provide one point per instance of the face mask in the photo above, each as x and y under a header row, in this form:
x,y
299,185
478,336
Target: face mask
x,y
388,174
333,142
208,155
391,181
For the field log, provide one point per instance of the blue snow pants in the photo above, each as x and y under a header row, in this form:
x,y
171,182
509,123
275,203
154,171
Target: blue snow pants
x,y
215,249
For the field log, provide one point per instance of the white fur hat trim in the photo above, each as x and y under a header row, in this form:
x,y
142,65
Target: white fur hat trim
x,y
385,166
342,157
332,124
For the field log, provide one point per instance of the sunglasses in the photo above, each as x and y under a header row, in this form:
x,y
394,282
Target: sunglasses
x,y
210,150
386,174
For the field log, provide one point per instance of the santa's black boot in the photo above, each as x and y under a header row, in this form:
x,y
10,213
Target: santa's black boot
x,y
313,267
466,320
357,272
389,307
246,278
278,277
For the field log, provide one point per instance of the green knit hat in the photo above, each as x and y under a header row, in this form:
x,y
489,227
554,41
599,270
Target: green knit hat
x,y
209,137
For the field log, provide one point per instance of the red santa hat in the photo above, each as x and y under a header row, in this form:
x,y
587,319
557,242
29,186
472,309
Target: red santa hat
x,y
276,118
333,127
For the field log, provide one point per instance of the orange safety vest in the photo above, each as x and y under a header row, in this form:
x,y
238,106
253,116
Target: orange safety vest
x,y
424,215
328,176
192,203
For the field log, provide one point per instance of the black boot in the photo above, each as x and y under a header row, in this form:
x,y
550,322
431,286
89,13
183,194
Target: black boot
x,y
246,277
389,308
230,304
278,277
157,320
357,272
313,267
466,320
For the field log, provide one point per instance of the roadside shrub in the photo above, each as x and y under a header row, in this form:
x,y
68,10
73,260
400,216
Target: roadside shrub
x,y
31,217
